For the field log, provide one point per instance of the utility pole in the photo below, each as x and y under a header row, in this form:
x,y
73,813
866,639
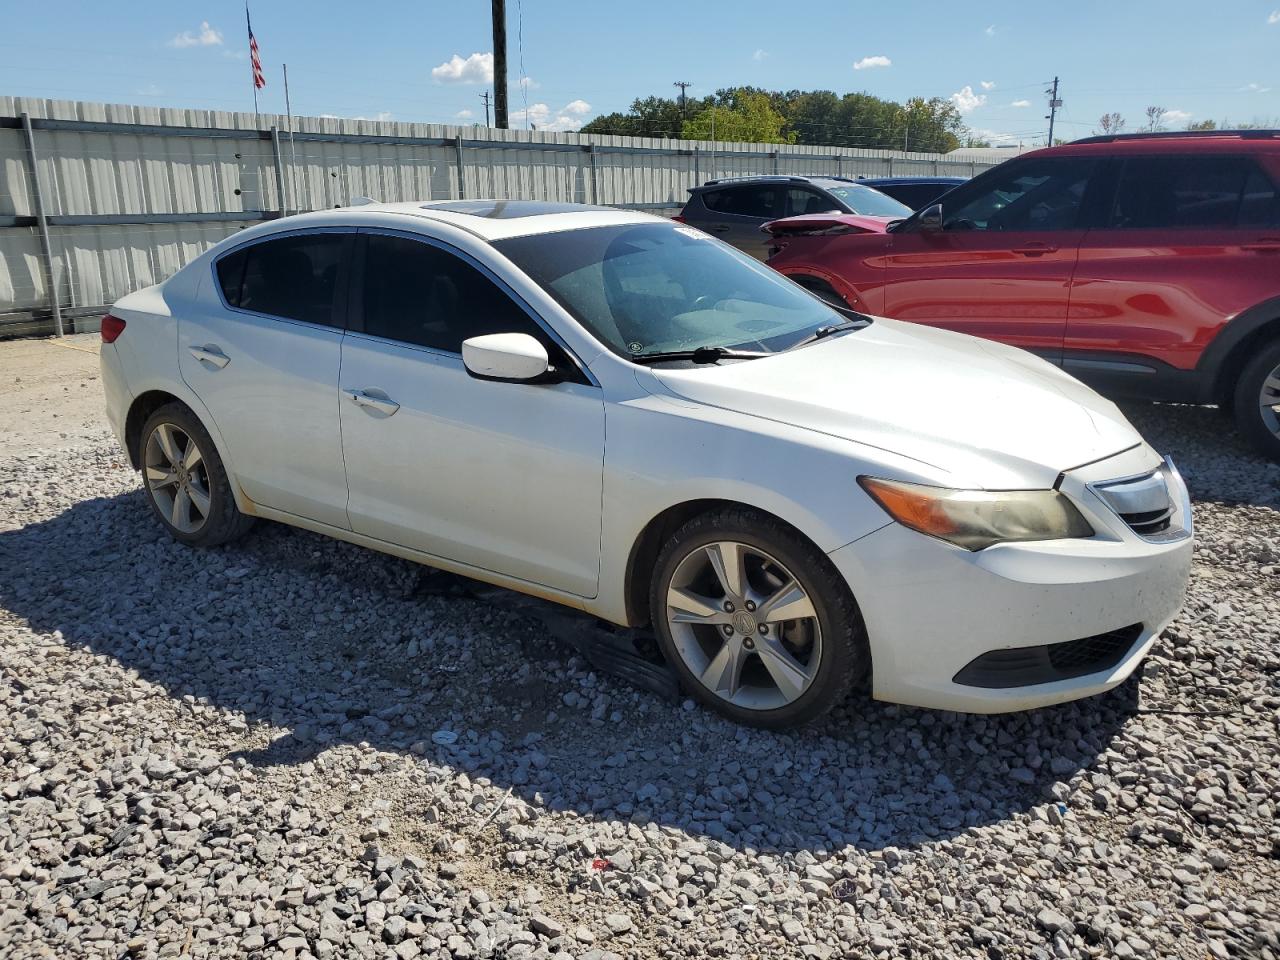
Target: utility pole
x,y
683,86
485,97
500,64
1054,104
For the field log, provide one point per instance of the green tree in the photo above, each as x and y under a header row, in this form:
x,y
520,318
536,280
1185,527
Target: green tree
x,y
1202,125
749,117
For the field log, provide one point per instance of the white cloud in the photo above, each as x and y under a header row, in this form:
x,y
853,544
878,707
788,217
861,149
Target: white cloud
x,y
528,83
966,100
569,117
150,90
235,54
206,37
988,84
477,68
382,116
1020,103
867,63
1176,116
760,55
464,114
1274,18
990,31
994,136
1254,88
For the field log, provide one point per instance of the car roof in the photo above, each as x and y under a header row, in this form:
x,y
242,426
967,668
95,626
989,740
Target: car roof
x,y
1140,144
497,219
770,178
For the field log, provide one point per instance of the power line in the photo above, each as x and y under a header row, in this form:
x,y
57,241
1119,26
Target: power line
x,y
683,85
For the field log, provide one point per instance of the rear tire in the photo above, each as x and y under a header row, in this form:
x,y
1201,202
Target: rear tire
x,y
755,620
1257,401
186,483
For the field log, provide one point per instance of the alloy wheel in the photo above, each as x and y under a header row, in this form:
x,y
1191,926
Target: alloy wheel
x,y
1269,402
177,477
744,625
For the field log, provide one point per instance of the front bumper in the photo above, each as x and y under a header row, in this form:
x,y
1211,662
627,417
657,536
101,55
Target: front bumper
x,y
931,608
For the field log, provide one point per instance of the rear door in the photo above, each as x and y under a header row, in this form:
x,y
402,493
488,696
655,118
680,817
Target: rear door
x,y
1187,243
1001,266
262,353
736,213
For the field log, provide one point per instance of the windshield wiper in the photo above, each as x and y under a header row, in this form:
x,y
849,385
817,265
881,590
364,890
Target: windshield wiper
x,y
831,328
699,355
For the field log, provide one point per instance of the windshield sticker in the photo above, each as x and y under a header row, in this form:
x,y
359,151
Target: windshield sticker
x,y
693,232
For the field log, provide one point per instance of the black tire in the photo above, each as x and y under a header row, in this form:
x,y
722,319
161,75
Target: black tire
x,y
1254,425
845,658
224,521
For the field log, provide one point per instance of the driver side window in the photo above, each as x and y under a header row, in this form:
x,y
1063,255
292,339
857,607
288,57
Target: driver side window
x,y
1035,195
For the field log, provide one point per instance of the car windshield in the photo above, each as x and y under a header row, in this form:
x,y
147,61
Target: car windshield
x,y
869,201
651,288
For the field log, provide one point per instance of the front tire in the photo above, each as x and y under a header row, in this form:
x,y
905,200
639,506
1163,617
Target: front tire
x,y
755,620
185,481
1257,401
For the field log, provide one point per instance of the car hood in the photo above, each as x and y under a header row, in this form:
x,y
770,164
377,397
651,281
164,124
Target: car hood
x,y
811,223
987,415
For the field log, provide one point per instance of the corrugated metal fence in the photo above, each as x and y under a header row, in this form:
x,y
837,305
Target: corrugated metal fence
x,y
97,200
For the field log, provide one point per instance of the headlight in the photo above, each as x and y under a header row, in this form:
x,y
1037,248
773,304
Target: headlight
x,y
975,519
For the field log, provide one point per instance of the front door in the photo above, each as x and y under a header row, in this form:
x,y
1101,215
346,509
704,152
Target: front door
x,y
1001,266
506,477
261,351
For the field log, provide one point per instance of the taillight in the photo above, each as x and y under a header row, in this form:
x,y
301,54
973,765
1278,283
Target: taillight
x,y
112,327
679,219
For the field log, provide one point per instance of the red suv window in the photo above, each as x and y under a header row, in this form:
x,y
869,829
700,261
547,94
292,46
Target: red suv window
x,y
1192,192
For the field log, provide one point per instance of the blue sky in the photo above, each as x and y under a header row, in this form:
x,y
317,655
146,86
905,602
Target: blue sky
x,y
428,59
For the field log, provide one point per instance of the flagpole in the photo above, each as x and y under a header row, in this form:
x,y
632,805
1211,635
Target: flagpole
x,y
293,150
252,79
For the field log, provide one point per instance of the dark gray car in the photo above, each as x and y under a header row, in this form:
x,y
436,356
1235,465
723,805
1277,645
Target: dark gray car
x,y
733,209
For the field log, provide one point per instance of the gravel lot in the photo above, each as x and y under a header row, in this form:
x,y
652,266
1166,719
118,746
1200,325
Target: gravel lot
x,y
290,748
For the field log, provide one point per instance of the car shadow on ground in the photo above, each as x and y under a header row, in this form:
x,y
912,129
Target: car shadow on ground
x,y
333,644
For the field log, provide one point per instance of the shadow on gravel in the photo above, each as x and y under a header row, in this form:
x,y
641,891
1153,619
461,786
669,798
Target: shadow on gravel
x,y
336,644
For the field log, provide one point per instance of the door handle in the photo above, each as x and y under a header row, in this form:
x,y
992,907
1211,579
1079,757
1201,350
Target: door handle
x,y
383,405
1265,245
210,354
1035,249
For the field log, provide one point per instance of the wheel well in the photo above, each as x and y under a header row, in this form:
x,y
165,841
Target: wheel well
x,y
143,406
1224,383
818,285
644,552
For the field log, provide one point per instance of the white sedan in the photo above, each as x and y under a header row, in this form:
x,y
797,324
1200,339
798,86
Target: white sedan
x,y
627,416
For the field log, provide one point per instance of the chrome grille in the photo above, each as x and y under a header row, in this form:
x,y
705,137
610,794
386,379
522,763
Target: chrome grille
x,y
1149,504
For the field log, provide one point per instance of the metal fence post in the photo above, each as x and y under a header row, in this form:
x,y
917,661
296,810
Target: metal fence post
x,y
838,162
775,163
46,244
890,167
462,170
935,166
697,172
275,151
595,186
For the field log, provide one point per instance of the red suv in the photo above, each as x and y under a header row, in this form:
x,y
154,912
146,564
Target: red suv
x,y
1146,265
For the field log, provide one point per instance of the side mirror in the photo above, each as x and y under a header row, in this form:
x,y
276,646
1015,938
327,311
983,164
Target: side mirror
x,y
506,357
930,219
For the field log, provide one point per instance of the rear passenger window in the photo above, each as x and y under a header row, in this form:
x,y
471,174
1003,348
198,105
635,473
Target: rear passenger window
x,y
801,201
418,293
1191,192
746,201
295,278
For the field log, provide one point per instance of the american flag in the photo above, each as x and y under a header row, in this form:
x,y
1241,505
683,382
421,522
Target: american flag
x,y
259,81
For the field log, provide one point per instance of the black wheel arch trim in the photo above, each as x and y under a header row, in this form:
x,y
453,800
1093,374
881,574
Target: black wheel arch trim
x,y
1218,358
